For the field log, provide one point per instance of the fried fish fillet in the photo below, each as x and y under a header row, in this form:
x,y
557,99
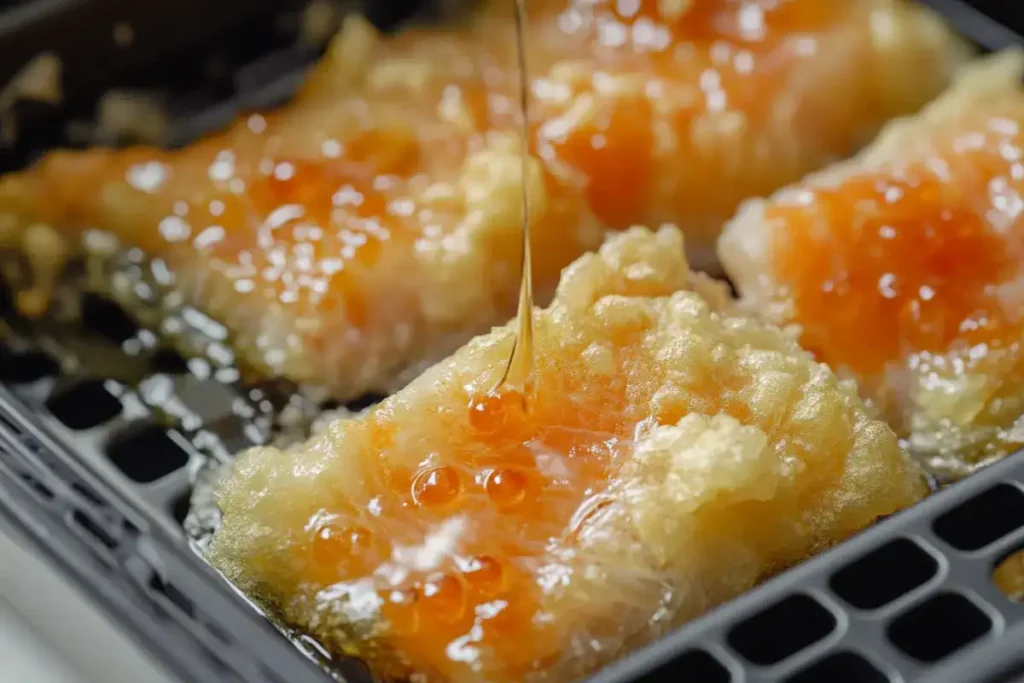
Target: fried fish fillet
x,y
672,456
903,267
372,225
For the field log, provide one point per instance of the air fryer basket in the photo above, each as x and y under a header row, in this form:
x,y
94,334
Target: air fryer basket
x,y
911,599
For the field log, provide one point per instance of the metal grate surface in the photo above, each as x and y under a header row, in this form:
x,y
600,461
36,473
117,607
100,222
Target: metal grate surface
x,y
910,599
133,565
97,471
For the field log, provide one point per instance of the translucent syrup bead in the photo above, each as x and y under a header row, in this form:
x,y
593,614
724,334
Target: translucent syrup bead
x,y
484,574
336,544
444,598
495,412
506,487
401,611
436,486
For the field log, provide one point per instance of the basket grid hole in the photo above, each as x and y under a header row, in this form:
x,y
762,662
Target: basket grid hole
x,y
88,494
696,665
80,520
180,507
168,362
1008,576
782,630
983,519
363,402
27,367
37,487
146,454
85,405
172,595
106,318
939,627
884,574
840,667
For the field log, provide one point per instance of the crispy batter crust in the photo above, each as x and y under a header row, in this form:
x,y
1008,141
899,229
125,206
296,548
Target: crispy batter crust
x,y
372,226
733,455
954,392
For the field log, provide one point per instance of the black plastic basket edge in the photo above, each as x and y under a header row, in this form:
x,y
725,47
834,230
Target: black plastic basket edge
x,y
975,25
124,560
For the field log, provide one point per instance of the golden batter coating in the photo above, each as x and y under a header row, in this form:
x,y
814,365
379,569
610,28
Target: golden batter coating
x,y
674,455
902,268
372,226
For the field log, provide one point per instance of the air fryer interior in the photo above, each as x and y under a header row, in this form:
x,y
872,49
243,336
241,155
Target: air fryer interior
x,y
104,432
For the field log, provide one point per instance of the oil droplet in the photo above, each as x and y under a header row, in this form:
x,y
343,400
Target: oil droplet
x,y
443,598
485,575
496,411
401,611
506,487
335,544
436,486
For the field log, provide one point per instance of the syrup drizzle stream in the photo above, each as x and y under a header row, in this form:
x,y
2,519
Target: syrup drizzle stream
x,y
518,375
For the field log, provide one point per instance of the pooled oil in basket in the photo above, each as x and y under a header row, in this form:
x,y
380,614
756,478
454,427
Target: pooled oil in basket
x,y
517,382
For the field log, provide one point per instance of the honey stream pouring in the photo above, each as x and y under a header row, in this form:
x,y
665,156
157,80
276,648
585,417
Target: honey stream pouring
x,y
519,373
517,382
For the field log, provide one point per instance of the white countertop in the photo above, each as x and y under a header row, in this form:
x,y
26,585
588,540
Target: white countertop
x,y
25,655
49,633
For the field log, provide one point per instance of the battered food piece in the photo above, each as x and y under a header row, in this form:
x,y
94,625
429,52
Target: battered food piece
x,y
903,268
372,226
673,455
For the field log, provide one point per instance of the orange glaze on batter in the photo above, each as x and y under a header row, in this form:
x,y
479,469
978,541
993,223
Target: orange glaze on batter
x,y
907,265
492,474
903,268
372,225
672,456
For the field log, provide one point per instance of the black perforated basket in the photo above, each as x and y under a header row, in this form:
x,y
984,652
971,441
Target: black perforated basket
x,y
911,599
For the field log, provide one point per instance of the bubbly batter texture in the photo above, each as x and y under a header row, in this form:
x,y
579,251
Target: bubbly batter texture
x,y
903,268
372,225
673,456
